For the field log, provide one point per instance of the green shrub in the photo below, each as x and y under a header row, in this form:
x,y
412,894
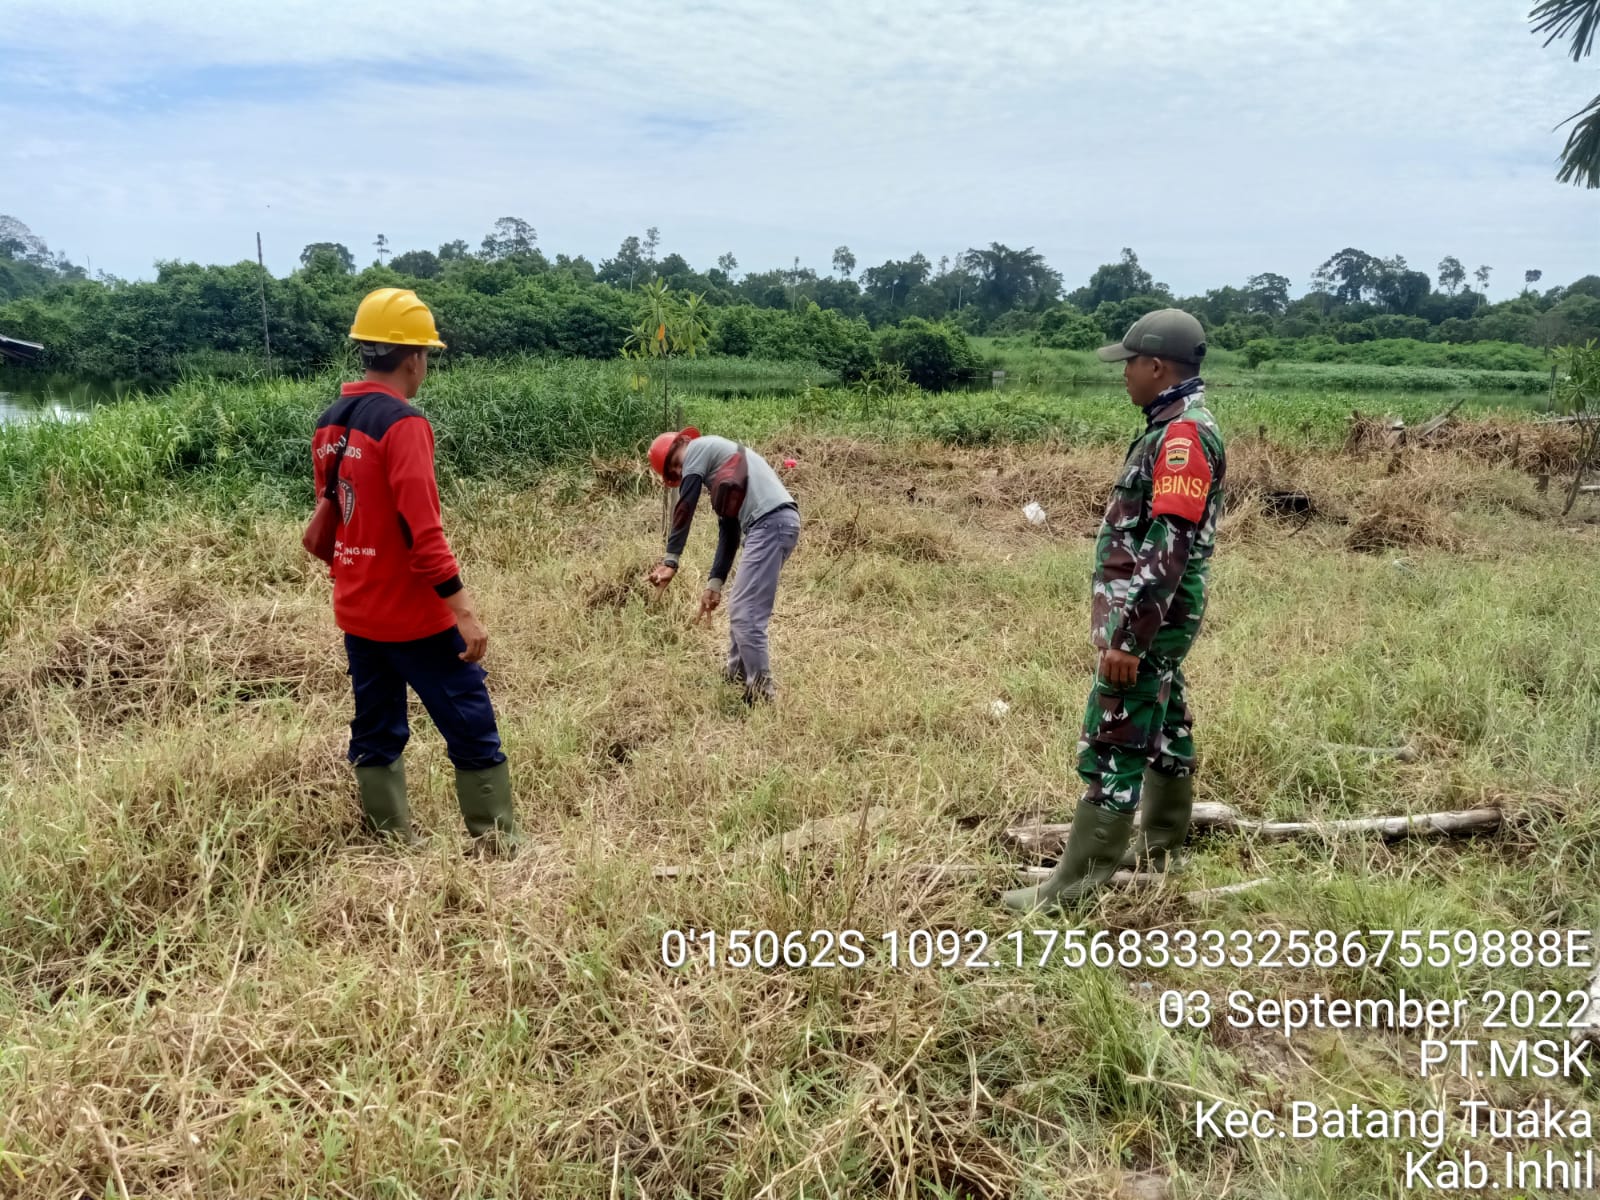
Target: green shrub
x,y
1234,335
936,357
1398,352
816,335
1065,328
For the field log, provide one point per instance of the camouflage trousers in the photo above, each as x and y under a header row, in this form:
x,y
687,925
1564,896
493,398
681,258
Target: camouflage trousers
x,y
1126,729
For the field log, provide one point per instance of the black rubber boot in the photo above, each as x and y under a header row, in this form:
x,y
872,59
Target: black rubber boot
x,y
1166,804
384,808
485,799
1089,859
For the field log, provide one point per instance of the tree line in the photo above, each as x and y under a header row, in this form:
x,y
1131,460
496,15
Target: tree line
x,y
507,296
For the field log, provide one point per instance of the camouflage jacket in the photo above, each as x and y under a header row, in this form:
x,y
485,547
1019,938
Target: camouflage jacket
x,y
1154,551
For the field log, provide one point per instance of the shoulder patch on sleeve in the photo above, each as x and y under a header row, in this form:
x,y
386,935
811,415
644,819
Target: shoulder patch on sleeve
x,y
1182,478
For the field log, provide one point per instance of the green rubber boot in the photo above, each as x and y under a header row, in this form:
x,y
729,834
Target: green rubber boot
x,y
1166,803
1089,859
384,809
485,799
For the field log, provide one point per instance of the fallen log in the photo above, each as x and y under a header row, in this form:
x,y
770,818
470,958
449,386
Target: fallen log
x,y
1445,824
1047,840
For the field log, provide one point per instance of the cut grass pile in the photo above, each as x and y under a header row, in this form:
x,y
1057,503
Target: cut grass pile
x,y
211,985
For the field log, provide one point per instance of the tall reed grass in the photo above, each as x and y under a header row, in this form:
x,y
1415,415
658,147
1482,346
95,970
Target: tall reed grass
x,y
507,420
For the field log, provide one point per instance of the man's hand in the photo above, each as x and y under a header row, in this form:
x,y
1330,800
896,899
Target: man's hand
x,y
476,637
472,630
709,599
1118,668
661,574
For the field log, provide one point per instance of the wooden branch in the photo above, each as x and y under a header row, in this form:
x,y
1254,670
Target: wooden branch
x,y
1445,824
1211,814
1047,840
1227,889
1432,426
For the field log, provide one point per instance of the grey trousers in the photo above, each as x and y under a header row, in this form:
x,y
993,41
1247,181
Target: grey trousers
x,y
767,546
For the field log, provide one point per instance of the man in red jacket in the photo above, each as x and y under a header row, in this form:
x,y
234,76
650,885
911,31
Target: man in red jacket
x,y
397,592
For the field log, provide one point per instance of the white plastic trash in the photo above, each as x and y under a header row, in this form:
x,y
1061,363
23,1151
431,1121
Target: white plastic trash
x,y
1035,514
999,708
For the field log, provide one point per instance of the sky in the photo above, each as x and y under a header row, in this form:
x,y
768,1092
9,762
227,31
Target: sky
x,y
1217,138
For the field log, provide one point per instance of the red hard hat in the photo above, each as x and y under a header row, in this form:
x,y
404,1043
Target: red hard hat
x,y
663,445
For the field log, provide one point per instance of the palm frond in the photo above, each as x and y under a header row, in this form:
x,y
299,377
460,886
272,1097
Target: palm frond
x,y
1580,159
1578,19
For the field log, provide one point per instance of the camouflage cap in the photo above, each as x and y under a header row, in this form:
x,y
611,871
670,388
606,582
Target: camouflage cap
x,y
1165,333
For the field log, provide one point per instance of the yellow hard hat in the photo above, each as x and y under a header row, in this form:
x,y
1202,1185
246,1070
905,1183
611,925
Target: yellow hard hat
x,y
397,317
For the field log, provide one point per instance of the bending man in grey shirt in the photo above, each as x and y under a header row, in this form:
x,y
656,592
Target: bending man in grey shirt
x,y
769,522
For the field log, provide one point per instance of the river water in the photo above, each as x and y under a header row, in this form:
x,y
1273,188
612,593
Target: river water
x,y
33,396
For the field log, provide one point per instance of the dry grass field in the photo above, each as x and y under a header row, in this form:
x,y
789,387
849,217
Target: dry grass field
x,y
212,985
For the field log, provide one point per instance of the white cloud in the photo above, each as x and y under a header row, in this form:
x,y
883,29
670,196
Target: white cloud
x,y
1218,139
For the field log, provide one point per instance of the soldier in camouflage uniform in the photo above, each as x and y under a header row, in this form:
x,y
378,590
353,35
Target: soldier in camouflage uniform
x,y
1152,560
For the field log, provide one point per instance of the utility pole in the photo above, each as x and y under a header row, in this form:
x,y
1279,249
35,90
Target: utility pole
x,y
266,336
